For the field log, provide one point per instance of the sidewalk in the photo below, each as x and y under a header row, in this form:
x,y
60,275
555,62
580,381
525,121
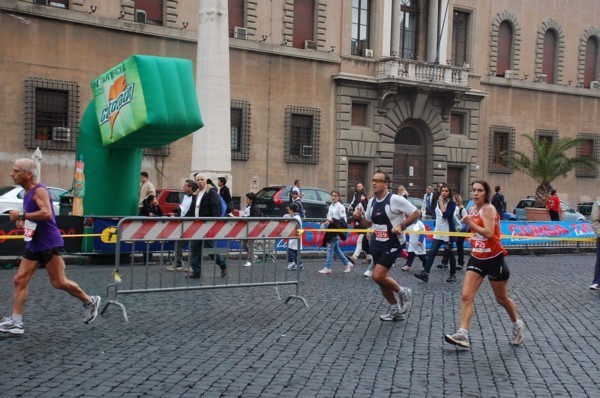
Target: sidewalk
x,y
246,342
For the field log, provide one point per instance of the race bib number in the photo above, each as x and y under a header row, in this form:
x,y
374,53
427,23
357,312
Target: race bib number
x,y
30,227
381,232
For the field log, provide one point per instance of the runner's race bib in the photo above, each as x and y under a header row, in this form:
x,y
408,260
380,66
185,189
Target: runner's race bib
x,y
381,232
30,227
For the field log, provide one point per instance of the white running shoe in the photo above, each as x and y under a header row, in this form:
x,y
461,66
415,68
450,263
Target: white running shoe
x,y
392,316
247,264
325,270
518,333
368,273
91,309
595,286
405,295
348,267
459,338
8,325
291,266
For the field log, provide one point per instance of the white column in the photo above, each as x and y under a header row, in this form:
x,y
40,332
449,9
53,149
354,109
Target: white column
x,y
432,30
386,28
395,47
445,21
211,147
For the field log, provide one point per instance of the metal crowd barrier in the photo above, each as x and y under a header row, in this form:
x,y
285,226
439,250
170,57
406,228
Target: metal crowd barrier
x,y
153,277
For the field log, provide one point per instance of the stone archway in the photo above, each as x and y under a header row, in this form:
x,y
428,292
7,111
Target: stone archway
x,y
410,158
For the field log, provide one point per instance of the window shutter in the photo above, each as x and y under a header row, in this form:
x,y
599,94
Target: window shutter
x,y
591,57
504,48
304,22
236,14
549,56
154,8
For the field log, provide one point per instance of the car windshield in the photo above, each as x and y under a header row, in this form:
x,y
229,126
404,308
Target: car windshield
x,y
5,190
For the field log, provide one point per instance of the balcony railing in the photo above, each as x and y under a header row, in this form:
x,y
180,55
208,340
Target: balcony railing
x,y
422,72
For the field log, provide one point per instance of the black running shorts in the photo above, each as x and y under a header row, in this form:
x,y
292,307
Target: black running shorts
x,y
43,256
386,257
494,268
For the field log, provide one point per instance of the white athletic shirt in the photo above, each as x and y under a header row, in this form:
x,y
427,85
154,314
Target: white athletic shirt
x,y
397,211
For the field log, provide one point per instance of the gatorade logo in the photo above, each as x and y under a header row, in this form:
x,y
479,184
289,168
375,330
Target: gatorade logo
x,y
120,94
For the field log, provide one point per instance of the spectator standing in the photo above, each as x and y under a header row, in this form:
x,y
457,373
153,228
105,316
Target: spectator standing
x,y
294,245
460,240
360,199
498,201
250,211
416,245
297,200
444,222
146,188
298,188
187,203
225,193
427,208
150,207
207,204
336,219
553,206
402,191
595,222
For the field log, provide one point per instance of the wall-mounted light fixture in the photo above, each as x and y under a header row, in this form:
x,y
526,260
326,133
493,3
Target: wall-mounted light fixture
x,y
264,38
92,9
183,25
121,14
284,42
332,49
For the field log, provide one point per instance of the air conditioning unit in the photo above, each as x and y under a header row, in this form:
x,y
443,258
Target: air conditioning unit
x,y
310,44
595,85
306,151
240,33
61,134
141,16
542,78
509,74
367,52
56,4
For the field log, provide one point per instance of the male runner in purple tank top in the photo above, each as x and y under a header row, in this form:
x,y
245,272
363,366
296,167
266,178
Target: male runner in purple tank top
x,y
44,247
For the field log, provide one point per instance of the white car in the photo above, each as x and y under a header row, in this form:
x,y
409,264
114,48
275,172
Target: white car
x,y
11,198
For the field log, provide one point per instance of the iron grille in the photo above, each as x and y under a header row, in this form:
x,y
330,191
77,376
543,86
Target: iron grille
x,y
302,131
240,130
51,114
408,136
588,147
502,145
162,151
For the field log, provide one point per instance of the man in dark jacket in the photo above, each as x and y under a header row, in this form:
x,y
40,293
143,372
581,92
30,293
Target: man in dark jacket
x,y
207,204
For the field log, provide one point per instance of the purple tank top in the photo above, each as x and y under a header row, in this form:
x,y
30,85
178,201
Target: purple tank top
x,y
46,236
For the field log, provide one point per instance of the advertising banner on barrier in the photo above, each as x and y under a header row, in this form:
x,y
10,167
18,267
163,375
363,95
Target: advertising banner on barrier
x,y
515,232
68,225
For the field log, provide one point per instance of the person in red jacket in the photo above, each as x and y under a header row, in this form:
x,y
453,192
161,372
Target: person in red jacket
x,y
553,206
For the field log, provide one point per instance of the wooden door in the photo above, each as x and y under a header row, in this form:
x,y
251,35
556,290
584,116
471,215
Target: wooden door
x,y
454,180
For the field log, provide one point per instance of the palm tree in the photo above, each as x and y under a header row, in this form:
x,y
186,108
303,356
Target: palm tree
x,y
549,163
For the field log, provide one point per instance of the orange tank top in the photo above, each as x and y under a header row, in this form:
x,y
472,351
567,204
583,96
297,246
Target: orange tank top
x,y
484,248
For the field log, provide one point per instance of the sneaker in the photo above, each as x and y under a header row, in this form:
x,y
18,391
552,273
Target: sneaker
x,y
354,258
459,338
348,267
392,316
518,333
175,268
247,264
291,267
459,267
325,271
9,326
442,266
368,273
406,268
193,275
405,295
224,273
351,260
451,278
424,276
595,286
91,309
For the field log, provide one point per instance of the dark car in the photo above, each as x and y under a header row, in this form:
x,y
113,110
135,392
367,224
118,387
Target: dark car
x,y
273,201
585,209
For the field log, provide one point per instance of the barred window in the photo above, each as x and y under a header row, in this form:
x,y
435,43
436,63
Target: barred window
x,y
51,114
546,137
302,130
240,130
589,147
502,144
162,151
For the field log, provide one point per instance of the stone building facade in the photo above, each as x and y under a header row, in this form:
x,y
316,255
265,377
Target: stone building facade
x,y
327,91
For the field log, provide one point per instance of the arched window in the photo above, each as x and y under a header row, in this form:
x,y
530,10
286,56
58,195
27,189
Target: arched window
x,y
408,29
591,61
549,55
505,44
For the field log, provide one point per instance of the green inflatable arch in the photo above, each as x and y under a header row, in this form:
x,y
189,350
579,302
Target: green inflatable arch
x,y
144,102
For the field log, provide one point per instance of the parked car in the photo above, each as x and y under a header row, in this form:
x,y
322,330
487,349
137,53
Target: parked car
x,y
169,200
508,216
585,208
11,198
274,200
568,212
